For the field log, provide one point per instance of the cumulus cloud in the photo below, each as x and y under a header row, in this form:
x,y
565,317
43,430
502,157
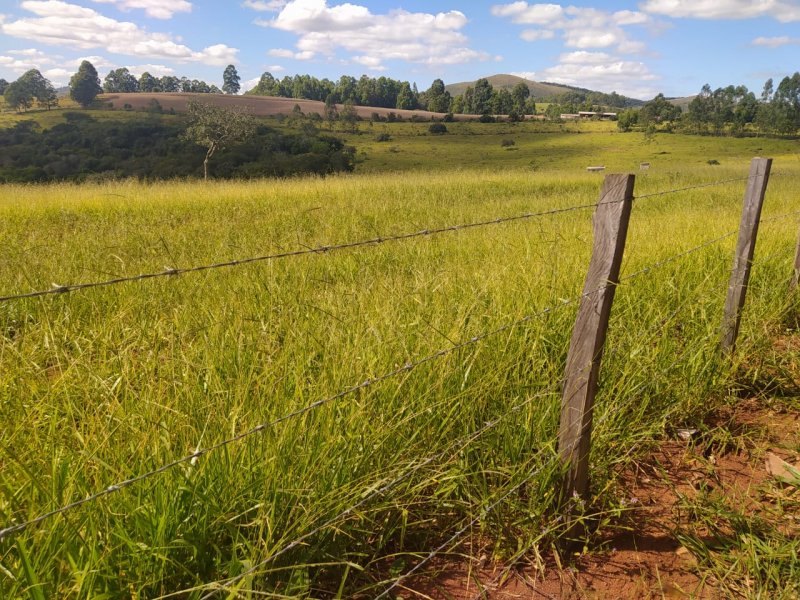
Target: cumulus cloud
x,y
581,27
265,5
54,67
534,35
785,11
600,71
372,39
158,9
775,42
154,70
61,23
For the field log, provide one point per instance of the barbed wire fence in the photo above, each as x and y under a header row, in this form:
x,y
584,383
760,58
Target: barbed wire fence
x,y
415,467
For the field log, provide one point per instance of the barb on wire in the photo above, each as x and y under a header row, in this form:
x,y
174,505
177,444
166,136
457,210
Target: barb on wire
x,y
691,187
779,217
170,272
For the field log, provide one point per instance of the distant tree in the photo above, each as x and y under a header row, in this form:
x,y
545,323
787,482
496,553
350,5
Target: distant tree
x,y
331,113
3,86
349,116
148,84
230,79
120,81
627,119
405,97
170,83
437,98
31,85
47,97
520,94
18,96
502,103
214,128
85,84
658,110
482,97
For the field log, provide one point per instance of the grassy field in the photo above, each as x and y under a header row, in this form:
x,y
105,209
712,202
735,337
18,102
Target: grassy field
x,y
100,385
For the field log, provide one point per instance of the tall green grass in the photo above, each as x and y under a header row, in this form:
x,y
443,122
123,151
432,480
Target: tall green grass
x,y
100,385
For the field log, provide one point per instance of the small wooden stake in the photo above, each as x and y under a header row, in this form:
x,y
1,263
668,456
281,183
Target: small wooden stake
x,y
745,250
586,348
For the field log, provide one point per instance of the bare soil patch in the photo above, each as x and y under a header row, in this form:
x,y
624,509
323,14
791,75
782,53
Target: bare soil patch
x,y
261,106
641,556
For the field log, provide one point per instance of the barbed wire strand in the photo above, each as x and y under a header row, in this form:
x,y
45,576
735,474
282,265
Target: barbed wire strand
x,y
692,187
779,217
314,405
170,272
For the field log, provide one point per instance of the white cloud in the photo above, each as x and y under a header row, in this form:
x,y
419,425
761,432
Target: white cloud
x,y
775,42
630,78
372,39
286,53
531,75
534,35
530,14
265,5
581,57
53,67
783,10
154,70
61,23
158,9
580,27
275,68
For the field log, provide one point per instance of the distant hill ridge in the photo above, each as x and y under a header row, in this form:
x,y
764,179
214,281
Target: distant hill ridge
x,y
539,89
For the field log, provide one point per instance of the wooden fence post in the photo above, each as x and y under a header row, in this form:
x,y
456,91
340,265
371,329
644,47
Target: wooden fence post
x,y
586,348
796,276
745,249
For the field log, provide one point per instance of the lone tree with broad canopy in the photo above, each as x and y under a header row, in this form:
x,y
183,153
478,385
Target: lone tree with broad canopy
x,y
85,84
214,128
230,80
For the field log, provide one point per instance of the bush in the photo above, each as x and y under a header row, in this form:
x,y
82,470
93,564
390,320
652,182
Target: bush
x,y
487,118
713,161
437,129
507,143
383,137
449,118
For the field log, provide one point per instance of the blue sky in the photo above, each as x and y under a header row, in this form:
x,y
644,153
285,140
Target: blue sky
x,y
638,48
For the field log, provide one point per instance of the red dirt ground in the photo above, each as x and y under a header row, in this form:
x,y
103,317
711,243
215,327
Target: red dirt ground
x,y
642,560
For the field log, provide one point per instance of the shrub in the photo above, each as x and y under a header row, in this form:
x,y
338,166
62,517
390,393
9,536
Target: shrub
x,y
383,137
437,129
487,118
713,161
507,143
449,118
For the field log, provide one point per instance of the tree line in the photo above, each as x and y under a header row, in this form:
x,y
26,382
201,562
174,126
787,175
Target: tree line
x,y
85,85
725,110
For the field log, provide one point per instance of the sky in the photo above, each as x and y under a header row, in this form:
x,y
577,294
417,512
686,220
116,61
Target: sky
x,y
637,48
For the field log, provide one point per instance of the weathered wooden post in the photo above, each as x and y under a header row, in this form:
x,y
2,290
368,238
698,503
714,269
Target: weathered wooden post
x,y
586,348
796,276
745,250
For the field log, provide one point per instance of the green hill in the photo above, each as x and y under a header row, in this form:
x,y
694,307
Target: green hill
x,y
539,90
